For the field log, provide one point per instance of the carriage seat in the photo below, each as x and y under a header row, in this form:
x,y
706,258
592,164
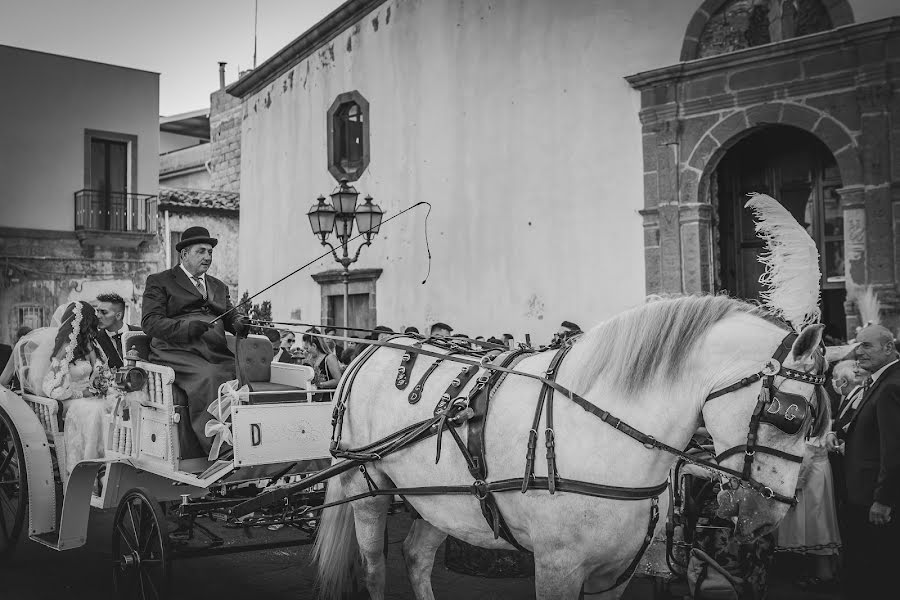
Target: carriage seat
x,y
282,382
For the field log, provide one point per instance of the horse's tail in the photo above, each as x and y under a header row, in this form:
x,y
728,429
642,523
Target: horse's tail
x,y
336,548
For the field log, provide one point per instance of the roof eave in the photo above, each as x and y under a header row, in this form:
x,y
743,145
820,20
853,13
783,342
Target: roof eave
x,y
317,36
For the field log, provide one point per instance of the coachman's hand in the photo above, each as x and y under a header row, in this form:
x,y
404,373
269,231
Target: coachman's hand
x,y
241,329
879,514
196,329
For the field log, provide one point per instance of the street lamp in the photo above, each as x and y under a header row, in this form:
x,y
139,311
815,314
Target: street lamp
x,y
339,217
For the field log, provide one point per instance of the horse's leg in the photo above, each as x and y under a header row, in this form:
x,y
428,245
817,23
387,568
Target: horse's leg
x,y
370,516
419,548
557,576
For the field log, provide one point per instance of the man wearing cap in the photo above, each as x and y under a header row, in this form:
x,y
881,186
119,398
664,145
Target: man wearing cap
x,y
179,307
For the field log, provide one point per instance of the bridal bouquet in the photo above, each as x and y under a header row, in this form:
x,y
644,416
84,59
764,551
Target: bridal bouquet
x,y
104,380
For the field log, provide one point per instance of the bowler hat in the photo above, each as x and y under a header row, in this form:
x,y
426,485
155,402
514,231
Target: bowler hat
x,y
195,235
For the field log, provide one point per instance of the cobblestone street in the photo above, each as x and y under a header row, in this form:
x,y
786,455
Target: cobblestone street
x,y
38,573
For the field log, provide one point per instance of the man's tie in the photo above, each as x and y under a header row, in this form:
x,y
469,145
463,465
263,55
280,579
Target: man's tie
x,y
117,338
200,287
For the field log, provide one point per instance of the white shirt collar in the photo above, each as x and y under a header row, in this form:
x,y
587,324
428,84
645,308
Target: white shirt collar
x,y
201,277
878,373
120,331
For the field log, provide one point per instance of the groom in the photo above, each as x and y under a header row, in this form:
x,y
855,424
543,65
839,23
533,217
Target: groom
x,y
179,305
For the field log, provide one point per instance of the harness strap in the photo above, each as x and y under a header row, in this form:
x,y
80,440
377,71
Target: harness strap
x,y
406,366
760,450
549,434
416,394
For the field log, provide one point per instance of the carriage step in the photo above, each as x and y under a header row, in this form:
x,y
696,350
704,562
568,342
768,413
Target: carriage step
x,y
49,539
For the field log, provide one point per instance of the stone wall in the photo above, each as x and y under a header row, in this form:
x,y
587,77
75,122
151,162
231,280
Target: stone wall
x,y
225,143
843,86
48,268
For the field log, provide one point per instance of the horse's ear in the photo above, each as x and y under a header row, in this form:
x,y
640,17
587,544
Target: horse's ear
x,y
807,342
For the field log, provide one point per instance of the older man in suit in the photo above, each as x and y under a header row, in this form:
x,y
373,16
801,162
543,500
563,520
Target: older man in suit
x,y
179,307
872,470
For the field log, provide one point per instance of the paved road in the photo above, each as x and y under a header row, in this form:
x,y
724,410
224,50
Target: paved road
x,y
38,573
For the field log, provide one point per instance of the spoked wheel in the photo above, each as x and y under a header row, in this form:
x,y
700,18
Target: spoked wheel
x,y
13,486
140,549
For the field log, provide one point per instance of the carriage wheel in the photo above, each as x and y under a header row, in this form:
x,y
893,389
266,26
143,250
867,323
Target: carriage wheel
x,y
140,548
13,486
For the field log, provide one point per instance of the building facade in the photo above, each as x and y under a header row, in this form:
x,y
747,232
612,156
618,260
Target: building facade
x,y
576,155
78,214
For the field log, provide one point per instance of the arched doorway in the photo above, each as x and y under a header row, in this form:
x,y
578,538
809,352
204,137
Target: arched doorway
x,y
796,168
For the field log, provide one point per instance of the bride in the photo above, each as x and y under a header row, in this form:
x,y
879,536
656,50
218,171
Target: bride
x,y
65,363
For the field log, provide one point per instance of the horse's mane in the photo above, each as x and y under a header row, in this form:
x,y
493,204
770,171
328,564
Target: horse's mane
x,y
633,349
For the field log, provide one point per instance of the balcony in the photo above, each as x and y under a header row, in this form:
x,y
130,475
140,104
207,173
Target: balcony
x,y
116,219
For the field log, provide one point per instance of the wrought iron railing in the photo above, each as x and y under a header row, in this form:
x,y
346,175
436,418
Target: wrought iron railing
x,y
104,210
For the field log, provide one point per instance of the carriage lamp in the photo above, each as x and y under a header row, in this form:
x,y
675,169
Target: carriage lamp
x,y
339,217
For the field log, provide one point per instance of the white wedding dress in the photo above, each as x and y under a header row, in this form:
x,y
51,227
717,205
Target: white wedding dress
x,y
82,411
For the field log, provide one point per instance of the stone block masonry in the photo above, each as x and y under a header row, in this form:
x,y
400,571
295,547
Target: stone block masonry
x,y
225,142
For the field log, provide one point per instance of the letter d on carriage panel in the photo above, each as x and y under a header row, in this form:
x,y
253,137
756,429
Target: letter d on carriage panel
x,y
255,434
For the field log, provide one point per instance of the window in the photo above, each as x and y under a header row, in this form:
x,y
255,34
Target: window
x,y
348,136
29,315
361,294
107,201
174,238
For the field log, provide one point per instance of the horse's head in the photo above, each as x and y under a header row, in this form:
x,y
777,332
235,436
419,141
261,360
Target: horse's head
x,y
759,426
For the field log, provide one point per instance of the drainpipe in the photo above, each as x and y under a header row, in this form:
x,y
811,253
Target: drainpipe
x,y
168,249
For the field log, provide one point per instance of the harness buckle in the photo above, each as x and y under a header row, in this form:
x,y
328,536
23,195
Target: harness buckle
x,y
484,378
767,493
771,367
650,445
749,452
480,490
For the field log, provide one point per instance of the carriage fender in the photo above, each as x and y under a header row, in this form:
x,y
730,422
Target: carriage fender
x,y
38,463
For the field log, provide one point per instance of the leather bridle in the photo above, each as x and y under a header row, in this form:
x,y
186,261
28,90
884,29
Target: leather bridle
x,y
787,412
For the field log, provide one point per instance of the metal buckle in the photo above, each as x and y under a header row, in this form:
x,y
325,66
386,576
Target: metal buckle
x,y
480,489
767,493
749,452
483,379
771,367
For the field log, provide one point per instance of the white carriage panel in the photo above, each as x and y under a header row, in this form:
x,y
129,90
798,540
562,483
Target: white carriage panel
x,y
154,432
38,463
272,433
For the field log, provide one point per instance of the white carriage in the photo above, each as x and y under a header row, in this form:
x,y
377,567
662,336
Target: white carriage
x,y
275,434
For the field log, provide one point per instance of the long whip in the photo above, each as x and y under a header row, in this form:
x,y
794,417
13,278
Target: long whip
x,y
321,256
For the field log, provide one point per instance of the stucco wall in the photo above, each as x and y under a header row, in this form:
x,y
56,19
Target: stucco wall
x,y
47,104
513,119
222,226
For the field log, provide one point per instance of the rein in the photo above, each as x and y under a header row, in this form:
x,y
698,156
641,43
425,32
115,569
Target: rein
x,y
649,441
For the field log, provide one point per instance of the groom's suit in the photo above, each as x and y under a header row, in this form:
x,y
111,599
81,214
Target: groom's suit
x,y
113,354
171,302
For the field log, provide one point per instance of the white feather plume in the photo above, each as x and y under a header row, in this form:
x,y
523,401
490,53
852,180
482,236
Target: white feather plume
x,y
792,277
869,305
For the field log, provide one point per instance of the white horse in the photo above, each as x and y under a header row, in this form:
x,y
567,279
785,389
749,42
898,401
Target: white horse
x,y
653,367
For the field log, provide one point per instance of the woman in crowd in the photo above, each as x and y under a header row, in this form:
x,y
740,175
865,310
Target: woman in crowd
x,y
324,362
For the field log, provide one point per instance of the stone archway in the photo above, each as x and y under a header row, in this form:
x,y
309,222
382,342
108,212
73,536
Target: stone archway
x,y
839,11
722,135
828,84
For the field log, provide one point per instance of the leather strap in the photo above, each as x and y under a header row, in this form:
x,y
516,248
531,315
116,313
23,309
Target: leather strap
x,y
416,394
406,366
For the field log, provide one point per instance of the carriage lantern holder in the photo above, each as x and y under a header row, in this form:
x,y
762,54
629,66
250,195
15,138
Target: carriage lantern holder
x,y
339,217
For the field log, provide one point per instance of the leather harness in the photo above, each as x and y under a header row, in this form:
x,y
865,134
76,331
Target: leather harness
x,y
472,408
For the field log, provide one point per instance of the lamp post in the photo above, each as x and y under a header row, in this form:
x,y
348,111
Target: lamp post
x,y
339,216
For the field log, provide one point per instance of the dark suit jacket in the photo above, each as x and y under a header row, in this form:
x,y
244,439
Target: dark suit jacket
x,y
872,454
171,301
113,358
5,355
